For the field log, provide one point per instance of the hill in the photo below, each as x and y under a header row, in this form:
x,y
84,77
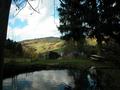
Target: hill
x,y
42,45
35,47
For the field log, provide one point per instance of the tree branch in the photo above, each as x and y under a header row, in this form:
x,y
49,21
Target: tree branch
x,y
61,1
20,10
32,7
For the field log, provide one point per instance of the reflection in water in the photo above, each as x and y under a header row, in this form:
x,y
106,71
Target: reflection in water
x,y
41,80
57,80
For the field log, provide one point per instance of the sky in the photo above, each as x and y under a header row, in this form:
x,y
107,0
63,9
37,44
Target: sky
x,y
28,24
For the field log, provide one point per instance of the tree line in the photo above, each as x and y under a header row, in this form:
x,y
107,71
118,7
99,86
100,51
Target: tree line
x,y
13,49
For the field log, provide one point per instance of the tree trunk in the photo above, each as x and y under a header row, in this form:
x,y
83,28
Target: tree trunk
x,y
4,14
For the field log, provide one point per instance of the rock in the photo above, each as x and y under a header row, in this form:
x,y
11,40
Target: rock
x,y
92,70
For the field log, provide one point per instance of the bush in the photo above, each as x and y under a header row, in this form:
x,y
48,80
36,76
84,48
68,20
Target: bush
x,y
53,55
89,50
111,52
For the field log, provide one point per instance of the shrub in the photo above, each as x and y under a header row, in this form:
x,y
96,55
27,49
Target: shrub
x,y
111,52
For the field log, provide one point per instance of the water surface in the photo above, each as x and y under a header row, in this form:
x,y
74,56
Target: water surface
x,y
41,80
56,80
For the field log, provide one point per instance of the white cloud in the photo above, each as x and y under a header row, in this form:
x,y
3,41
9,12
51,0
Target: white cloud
x,y
38,25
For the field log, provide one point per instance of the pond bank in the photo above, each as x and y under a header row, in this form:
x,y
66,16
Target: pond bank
x,y
14,68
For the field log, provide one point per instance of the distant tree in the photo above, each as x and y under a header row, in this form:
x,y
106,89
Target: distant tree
x,y
19,49
14,49
53,55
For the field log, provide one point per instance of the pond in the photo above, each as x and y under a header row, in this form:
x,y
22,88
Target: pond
x,y
42,80
48,80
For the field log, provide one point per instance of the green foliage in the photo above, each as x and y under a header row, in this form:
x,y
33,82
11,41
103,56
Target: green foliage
x,y
70,21
53,55
29,52
89,50
13,49
91,41
70,46
93,18
101,17
84,50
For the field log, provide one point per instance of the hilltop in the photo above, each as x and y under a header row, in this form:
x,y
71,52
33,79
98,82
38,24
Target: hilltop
x,y
42,45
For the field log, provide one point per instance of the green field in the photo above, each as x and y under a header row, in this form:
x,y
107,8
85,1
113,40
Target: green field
x,y
78,63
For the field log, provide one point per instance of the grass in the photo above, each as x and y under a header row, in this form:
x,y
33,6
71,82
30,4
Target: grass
x,y
49,44
43,45
92,42
79,63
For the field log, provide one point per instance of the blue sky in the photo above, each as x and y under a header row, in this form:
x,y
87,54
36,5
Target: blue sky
x,y
18,23
29,25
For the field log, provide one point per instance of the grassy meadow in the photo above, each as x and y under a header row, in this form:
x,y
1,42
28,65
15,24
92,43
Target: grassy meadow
x,y
44,44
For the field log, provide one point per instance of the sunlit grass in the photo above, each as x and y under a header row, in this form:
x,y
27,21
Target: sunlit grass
x,y
44,46
75,63
92,41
